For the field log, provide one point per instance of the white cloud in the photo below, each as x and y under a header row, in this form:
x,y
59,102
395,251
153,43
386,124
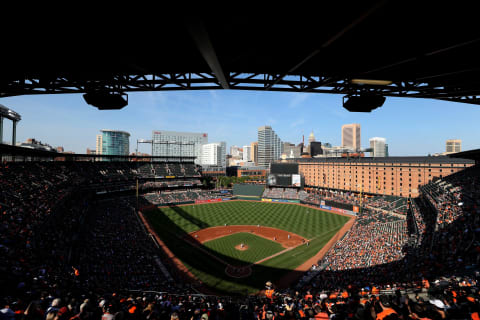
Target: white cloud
x,y
298,100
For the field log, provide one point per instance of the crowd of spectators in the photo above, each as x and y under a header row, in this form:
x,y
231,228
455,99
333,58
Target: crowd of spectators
x,y
67,255
115,251
375,238
183,196
392,204
284,193
444,298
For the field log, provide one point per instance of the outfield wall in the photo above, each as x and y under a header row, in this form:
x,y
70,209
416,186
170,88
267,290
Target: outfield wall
x,y
280,200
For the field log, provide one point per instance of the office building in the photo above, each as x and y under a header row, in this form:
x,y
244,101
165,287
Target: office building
x,y
378,146
178,144
254,152
236,152
397,176
315,148
98,149
291,151
351,136
453,146
247,154
213,154
115,142
270,146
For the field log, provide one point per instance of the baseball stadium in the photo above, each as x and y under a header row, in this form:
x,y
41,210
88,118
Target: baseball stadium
x,y
140,237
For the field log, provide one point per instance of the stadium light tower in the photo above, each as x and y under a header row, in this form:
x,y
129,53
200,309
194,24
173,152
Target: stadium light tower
x,y
10,115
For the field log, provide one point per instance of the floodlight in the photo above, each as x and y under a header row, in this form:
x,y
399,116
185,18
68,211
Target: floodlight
x,y
106,100
373,82
364,102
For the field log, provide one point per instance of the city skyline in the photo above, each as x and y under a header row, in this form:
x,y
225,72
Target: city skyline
x,y
411,126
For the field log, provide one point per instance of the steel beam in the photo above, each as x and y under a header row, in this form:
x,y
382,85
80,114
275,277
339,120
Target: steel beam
x,y
204,45
331,40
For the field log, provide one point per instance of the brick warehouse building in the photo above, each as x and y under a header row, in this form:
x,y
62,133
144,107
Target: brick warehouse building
x,y
399,176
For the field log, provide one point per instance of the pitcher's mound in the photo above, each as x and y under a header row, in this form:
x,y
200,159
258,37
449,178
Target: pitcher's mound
x,y
241,248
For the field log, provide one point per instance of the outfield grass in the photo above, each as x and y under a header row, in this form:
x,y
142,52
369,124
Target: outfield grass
x,y
173,223
258,247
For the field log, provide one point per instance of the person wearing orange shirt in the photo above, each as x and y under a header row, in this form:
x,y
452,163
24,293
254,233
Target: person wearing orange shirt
x,y
269,291
308,296
383,304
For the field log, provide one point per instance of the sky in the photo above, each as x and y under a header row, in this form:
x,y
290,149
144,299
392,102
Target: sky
x,y
411,126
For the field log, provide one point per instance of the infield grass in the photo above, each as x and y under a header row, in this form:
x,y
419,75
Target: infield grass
x,y
258,247
174,223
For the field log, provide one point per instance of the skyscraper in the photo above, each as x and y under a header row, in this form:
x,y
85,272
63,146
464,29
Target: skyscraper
x,y
178,144
98,149
247,155
115,142
269,146
453,146
254,152
379,147
351,136
214,154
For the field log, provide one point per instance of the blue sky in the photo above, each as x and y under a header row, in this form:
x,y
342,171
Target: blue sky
x,y
411,126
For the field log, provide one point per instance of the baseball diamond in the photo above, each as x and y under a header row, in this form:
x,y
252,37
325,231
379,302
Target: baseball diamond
x,y
280,238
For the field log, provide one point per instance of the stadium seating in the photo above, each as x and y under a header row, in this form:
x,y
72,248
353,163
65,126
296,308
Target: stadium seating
x,y
57,240
182,196
285,193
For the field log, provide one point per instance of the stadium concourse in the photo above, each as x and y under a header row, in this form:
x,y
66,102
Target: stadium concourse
x,y
72,247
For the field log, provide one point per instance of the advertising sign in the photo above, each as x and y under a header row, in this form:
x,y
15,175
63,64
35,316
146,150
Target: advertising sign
x,y
209,200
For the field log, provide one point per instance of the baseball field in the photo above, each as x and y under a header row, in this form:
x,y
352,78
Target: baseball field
x,y
236,246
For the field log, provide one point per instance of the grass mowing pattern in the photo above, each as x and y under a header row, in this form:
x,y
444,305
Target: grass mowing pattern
x,y
258,247
172,223
303,221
